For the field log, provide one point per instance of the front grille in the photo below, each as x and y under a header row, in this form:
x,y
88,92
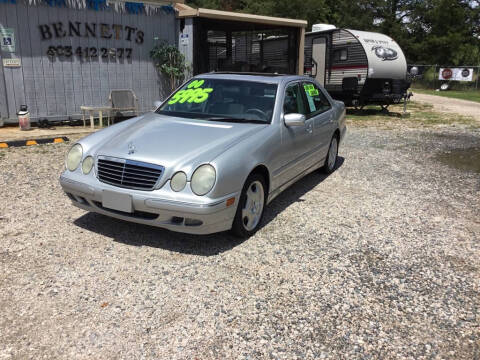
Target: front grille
x,y
128,173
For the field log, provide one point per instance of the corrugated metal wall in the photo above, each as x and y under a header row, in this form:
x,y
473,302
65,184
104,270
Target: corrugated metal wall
x,y
55,87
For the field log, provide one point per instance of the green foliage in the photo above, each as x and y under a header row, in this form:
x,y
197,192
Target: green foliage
x,y
170,62
443,32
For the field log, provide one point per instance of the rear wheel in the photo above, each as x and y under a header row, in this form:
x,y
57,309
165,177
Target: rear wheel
x,y
250,207
331,160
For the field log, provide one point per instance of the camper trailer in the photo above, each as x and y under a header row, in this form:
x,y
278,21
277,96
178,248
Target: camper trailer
x,y
357,67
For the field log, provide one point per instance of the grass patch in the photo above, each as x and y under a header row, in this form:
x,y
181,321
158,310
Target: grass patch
x,y
470,95
418,115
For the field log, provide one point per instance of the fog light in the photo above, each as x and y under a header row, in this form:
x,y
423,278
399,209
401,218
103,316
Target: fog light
x,y
177,220
193,222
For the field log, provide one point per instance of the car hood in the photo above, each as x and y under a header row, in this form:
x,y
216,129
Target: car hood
x,y
175,143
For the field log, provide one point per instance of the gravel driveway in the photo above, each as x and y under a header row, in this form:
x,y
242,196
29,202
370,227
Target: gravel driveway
x,y
450,105
379,260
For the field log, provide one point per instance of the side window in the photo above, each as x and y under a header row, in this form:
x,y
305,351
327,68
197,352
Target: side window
x,y
294,102
340,55
316,100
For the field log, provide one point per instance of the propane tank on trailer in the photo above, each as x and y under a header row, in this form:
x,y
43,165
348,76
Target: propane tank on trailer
x,y
24,118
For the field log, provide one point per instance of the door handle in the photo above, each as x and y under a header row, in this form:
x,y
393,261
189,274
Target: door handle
x,y
309,128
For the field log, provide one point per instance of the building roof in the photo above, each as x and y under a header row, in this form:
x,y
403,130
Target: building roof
x,y
259,77
186,11
154,2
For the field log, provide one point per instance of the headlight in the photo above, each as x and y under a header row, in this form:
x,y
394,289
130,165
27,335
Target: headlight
x,y
87,165
74,157
178,182
203,179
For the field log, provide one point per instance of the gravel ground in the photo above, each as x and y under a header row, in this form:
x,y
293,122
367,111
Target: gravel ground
x,y
378,260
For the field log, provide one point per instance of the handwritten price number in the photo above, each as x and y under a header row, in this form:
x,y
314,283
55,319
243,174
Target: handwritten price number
x,y
311,90
193,94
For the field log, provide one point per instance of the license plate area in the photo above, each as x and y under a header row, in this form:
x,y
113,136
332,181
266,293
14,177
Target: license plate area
x,y
117,201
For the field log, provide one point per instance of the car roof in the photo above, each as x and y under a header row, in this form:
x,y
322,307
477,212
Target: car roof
x,y
258,77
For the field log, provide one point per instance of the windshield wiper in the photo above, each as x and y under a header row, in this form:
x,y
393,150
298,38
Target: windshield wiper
x,y
235,120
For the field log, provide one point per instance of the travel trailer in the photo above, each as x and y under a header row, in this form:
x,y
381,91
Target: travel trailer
x,y
357,67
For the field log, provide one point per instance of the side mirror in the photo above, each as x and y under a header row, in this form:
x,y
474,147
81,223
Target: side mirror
x,y
294,120
157,104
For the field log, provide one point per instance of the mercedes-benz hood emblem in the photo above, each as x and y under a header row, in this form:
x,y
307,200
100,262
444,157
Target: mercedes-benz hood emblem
x,y
131,148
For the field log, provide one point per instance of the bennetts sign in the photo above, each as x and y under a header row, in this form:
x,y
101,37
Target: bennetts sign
x,y
60,30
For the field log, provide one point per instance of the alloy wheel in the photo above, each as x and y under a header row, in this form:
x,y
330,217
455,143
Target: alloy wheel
x,y
254,203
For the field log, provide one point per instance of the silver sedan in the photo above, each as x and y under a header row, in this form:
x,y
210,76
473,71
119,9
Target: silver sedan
x,y
211,157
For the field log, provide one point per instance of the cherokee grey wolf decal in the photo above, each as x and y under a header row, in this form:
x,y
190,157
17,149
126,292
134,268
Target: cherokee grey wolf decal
x,y
385,53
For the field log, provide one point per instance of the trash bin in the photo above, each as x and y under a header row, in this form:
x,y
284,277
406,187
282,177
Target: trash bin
x,y
24,118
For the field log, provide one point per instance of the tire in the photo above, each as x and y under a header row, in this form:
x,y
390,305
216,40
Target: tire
x,y
251,206
332,156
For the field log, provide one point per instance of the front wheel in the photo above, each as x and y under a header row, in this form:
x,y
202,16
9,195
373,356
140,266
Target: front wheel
x,y
331,160
250,207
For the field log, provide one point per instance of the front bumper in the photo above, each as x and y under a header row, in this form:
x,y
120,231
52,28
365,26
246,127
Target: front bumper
x,y
151,208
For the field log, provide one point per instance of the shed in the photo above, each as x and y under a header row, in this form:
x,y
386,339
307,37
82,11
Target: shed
x,y
58,55
215,40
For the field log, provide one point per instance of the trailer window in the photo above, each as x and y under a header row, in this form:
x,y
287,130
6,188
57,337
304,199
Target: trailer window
x,y
316,100
340,55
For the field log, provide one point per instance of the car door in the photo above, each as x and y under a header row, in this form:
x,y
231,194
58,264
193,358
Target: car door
x,y
320,112
296,140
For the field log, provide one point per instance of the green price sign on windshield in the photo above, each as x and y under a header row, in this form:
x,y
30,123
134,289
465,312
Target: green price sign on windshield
x,y
193,94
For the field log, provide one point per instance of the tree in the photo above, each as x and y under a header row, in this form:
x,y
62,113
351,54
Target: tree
x,y
170,62
445,32
311,10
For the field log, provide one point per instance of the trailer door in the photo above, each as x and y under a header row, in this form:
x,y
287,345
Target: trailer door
x,y
319,50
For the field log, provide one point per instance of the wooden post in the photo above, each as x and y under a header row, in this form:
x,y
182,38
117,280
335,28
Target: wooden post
x,y
229,44
301,50
478,75
91,119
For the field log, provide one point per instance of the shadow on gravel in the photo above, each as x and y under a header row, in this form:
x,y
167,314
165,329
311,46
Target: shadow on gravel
x,y
373,112
204,245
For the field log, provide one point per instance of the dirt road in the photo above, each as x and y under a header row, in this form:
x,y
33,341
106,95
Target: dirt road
x,y
449,105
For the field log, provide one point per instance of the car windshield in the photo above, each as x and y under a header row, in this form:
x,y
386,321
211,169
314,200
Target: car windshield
x,y
223,100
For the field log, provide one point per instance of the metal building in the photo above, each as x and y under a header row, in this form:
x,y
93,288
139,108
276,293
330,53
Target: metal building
x,y
58,55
